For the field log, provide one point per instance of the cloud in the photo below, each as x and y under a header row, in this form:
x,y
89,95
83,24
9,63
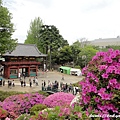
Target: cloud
x,y
74,18
45,3
94,5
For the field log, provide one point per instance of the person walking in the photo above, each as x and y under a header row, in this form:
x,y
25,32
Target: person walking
x,y
61,83
13,84
19,74
36,81
44,83
42,87
24,83
8,83
3,82
21,83
20,77
66,87
24,75
62,77
30,82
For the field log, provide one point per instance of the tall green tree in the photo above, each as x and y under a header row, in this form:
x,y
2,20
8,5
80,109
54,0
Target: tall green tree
x,y
6,30
76,48
51,41
65,55
86,55
33,32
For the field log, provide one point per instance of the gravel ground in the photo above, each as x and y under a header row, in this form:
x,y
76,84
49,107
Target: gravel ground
x,y
52,76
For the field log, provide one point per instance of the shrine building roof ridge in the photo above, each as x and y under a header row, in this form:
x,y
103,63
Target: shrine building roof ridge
x,y
25,50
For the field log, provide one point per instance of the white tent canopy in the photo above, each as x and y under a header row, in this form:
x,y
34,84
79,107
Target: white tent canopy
x,y
74,71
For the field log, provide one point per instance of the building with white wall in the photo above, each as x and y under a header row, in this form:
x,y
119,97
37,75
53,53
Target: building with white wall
x,y
105,42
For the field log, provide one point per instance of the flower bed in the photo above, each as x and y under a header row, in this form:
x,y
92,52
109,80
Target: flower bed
x,y
20,104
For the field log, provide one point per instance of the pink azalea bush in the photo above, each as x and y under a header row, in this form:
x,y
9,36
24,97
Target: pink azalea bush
x,y
58,99
19,104
101,86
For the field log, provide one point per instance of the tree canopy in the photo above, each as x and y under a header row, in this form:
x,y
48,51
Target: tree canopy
x,y
50,39
65,55
6,30
75,47
33,32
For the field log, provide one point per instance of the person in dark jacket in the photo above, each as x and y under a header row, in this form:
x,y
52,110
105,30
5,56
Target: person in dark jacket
x,y
30,82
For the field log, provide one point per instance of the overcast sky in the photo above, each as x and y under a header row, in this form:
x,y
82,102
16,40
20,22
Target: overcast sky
x,y
75,19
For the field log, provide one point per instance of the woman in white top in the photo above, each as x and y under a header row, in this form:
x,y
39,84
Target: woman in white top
x,y
36,81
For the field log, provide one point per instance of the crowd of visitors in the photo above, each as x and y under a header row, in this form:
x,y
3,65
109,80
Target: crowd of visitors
x,y
59,86
32,80
23,81
47,85
51,85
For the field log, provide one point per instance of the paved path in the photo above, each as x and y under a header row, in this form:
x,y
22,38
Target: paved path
x,y
52,76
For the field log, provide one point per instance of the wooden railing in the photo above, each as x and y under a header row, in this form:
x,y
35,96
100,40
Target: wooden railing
x,y
21,63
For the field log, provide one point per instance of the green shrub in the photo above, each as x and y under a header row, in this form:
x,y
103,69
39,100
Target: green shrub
x,y
5,94
24,117
63,113
36,108
77,67
43,93
76,84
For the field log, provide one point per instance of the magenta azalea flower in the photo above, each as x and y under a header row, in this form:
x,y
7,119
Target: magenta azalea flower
x,y
58,99
102,67
97,100
105,75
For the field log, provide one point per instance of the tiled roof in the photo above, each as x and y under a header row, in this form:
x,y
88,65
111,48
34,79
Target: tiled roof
x,y
25,50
